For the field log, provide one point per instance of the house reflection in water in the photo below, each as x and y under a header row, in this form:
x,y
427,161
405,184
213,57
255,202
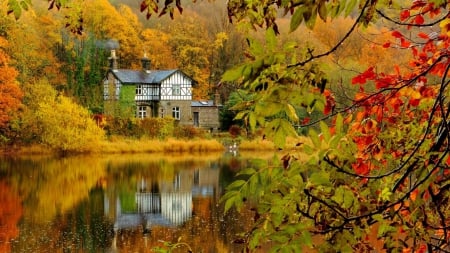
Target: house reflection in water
x,y
165,203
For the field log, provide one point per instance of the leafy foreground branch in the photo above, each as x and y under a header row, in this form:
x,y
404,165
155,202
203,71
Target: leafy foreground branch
x,y
376,173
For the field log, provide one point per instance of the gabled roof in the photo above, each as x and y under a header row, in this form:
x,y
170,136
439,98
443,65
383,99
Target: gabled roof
x,y
128,76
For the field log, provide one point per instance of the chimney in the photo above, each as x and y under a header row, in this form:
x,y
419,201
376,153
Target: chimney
x,y
145,63
113,60
217,94
217,98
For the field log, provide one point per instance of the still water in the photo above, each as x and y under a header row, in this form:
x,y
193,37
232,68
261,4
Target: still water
x,y
120,203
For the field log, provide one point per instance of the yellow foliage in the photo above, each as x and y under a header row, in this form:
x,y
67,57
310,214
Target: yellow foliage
x,y
68,126
57,121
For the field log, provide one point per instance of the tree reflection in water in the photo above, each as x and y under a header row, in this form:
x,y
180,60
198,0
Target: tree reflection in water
x,y
122,204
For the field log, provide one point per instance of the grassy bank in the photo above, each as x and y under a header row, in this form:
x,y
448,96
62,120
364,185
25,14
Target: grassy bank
x,y
170,146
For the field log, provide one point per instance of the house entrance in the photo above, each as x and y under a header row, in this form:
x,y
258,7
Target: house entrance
x,y
196,119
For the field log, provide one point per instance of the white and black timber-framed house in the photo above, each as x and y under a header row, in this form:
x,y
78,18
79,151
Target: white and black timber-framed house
x,y
157,93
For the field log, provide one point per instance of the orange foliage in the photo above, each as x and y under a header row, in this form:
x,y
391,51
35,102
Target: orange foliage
x,y
10,93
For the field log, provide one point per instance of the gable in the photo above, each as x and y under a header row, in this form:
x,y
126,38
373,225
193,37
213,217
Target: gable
x,y
127,76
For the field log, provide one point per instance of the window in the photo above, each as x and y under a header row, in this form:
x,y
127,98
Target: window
x,y
176,112
118,85
142,112
106,89
176,89
138,89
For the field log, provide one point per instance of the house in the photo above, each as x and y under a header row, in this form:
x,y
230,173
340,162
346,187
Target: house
x,y
157,93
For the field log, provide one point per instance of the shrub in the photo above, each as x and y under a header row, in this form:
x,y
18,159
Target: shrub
x,y
234,131
188,132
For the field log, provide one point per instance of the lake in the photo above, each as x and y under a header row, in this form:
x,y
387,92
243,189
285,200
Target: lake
x,y
119,203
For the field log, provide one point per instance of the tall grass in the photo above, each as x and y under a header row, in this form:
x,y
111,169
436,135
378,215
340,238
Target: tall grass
x,y
158,146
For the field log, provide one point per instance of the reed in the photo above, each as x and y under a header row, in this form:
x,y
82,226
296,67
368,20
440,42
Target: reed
x,y
158,146
256,145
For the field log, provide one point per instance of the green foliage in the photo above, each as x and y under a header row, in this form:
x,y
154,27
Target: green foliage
x,y
265,14
16,7
126,100
278,91
84,66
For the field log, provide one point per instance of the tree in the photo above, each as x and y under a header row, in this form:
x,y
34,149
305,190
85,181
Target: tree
x,y
10,93
59,122
377,168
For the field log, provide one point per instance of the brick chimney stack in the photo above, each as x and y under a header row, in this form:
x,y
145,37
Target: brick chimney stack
x,y
145,63
113,60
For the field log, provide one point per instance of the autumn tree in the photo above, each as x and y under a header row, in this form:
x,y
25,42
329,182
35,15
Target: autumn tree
x,y
156,45
10,93
379,169
57,121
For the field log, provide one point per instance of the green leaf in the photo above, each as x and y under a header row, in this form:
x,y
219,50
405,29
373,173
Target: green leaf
x,y
306,238
255,47
322,11
271,39
314,138
24,5
338,127
268,109
350,7
384,229
291,113
310,17
233,74
232,201
247,171
325,131
297,18
252,121
240,115
319,178
236,184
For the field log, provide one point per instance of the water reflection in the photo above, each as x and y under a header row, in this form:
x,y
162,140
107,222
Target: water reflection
x,y
165,202
117,204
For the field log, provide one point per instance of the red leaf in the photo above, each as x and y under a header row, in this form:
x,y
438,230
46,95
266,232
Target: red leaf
x,y
306,121
397,34
369,74
358,80
414,102
387,44
404,15
383,82
418,4
415,51
423,35
404,43
419,20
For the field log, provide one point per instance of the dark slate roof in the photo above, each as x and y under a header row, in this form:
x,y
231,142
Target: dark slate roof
x,y
128,76
202,103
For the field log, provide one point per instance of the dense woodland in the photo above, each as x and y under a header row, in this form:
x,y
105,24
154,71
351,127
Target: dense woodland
x,y
53,68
